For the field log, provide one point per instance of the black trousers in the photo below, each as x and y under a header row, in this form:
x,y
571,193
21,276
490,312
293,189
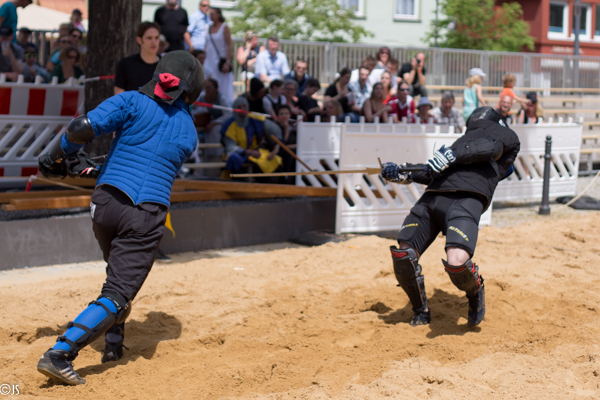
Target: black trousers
x,y
129,237
455,214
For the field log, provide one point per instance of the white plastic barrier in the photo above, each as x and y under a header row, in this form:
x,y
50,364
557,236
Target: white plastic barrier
x,y
22,138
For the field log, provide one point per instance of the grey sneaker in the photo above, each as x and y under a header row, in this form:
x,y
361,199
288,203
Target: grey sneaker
x,y
162,257
56,364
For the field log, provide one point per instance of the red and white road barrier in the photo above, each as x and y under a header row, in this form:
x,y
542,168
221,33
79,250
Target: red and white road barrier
x,y
99,78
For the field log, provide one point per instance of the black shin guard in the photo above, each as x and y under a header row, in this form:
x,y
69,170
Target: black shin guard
x,y
465,277
408,274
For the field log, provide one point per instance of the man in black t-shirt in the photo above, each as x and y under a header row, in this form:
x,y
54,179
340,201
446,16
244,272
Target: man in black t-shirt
x,y
173,22
137,69
413,73
306,102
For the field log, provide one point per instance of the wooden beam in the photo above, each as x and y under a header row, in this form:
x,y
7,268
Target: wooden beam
x,y
287,190
201,195
47,202
83,182
8,196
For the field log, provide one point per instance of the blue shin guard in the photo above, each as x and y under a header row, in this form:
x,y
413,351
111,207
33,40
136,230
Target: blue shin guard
x,y
96,319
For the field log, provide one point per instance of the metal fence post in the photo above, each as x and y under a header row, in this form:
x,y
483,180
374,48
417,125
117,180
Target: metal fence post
x,y
527,70
545,206
439,66
567,72
485,66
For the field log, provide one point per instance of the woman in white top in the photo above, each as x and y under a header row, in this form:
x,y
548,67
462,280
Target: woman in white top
x,y
218,46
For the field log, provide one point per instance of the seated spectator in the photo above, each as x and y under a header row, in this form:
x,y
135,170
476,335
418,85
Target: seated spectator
x,y
75,37
423,116
508,82
54,58
210,120
339,91
300,75
530,114
388,88
255,96
11,60
243,137
271,64
374,106
369,63
69,56
288,137
200,56
63,30
332,108
391,68
504,107
290,88
403,105
274,97
361,89
76,18
31,68
447,114
307,103
24,37
246,55
414,73
136,70
383,55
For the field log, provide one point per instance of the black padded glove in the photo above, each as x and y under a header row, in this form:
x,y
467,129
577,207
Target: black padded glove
x,y
80,165
50,168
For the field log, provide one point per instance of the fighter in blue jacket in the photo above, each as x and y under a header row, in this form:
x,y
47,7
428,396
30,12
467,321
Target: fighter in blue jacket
x,y
155,134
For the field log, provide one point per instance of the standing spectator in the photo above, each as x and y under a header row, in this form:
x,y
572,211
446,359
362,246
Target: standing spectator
x,y
290,90
504,107
423,109
403,105
136,70
509,81
63,41
11,61
8,14
472,94
307,103
210,120
333,108
530,114
219,52
68,67
24,37
271,64
246,55
31,68
447,114
255,95
339,91
414,73
361,88
388,88
198,27
383,55
274,98
76,18
300,75
374,106
173,22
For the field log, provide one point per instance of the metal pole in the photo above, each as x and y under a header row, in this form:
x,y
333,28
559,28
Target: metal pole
x,y
545,206
577,13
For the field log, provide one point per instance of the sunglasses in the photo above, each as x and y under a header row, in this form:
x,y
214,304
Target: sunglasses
x,y
405,90
72,57
76,36
64,41
30,55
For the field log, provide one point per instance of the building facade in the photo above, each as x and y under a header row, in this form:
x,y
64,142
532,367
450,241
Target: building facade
x,y
392,22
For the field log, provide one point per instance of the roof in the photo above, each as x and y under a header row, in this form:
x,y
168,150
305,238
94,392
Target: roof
x,y
65,6
42,18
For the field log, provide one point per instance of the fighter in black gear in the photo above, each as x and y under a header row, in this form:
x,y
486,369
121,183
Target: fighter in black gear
x,y
461,180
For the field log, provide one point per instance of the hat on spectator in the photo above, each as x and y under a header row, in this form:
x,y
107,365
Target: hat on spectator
x,y
255,86
177,73
532,96
477,71
6,31
25,30
424,101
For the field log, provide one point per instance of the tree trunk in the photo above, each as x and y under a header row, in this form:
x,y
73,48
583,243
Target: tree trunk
x,y
112,30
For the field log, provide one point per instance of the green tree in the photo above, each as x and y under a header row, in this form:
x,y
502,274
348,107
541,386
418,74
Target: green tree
x,y
316,20
480,25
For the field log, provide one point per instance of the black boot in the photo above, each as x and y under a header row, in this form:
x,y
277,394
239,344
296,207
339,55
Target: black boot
x,y
57,364
113,343
420,317
477,306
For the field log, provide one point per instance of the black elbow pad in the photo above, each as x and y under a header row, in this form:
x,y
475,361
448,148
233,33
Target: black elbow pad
x,y
498,149
80,130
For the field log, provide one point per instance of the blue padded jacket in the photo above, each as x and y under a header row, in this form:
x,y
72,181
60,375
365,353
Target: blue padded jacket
x,y
152,141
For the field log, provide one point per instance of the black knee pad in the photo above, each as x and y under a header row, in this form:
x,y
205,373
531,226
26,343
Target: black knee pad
x,y
465,277
123,306
408,274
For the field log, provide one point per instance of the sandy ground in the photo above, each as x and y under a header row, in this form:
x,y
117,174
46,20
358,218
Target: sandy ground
x,y
328,322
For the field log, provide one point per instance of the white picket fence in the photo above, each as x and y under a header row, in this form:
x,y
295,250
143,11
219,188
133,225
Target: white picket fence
x,y
366,204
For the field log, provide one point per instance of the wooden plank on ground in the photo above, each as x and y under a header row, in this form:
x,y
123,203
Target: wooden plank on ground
x,y
287,190
82,182
202,195
8,196
47,202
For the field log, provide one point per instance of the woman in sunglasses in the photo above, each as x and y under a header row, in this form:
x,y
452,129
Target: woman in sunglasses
x,y
68,68
31,68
